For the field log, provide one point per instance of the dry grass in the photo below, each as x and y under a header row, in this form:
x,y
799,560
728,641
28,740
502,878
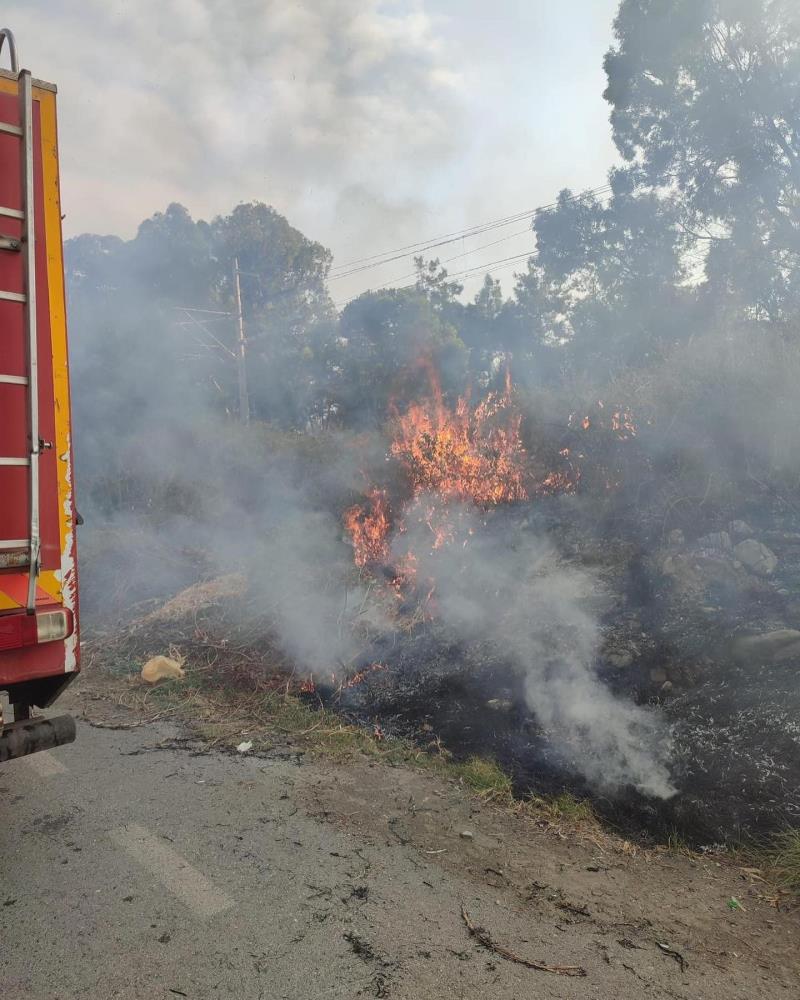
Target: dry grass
x,y
783,859
564,807
222,717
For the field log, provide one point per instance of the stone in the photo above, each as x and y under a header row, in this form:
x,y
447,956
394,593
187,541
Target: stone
x,y
619,659
676,538
693,575
780,644
756,557
467,835
740,529
666,687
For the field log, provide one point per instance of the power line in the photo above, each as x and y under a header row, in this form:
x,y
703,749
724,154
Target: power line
x,y
465,253
396,253
455,274
423,248
502,264
434,241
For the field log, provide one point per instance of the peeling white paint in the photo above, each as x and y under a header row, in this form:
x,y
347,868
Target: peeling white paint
x,y
68,576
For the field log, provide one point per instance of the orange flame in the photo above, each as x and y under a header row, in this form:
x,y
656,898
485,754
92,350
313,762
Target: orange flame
x,y
462,453
448,454
368,527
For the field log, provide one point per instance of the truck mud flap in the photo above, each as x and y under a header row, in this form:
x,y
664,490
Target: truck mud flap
x,y
23,738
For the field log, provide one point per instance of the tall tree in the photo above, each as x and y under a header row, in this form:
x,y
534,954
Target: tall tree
x,y
285,298
706,103
385,334
610,274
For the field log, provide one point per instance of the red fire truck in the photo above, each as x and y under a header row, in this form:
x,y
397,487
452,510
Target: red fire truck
x,y
38,577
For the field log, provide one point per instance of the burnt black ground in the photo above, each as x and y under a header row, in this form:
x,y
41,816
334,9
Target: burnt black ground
x,y
735,758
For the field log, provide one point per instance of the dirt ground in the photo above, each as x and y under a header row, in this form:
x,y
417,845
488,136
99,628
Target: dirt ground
x,y
426,858
632,920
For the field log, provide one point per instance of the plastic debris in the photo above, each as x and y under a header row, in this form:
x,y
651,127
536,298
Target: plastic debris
x,y
160,668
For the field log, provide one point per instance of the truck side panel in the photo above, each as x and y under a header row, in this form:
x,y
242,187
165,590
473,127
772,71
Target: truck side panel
x,y
57,583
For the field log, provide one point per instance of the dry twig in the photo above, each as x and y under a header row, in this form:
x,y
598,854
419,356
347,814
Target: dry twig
x,y
483,937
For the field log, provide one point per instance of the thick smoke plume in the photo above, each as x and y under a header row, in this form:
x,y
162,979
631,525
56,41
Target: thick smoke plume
x,y
541,614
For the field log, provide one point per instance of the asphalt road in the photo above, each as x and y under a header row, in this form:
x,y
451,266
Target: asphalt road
x,y
136,872
134,864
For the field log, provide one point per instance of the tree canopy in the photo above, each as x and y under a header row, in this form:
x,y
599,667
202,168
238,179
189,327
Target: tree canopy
x,y
701,227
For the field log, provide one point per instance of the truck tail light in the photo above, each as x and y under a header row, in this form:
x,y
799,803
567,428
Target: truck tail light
x,y
20,630
53,625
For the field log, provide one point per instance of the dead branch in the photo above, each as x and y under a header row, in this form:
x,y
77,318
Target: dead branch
x,y
483,937
673,954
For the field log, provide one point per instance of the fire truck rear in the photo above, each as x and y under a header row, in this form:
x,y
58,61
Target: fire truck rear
x,y
38,577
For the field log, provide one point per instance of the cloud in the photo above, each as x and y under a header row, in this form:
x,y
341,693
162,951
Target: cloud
x,y
370,124
212,102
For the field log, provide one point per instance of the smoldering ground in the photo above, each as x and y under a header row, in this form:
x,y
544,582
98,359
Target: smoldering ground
x,y
542,617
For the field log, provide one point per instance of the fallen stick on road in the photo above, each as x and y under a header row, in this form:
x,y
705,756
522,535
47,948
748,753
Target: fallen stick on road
x,y
484,937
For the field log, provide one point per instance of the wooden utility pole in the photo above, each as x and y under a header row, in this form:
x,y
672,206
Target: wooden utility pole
x,y
241,349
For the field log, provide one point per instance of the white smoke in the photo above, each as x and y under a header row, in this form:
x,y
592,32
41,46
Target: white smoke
x,y
541,614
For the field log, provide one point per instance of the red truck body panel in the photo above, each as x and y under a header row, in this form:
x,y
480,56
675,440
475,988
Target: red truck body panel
x,y
57,581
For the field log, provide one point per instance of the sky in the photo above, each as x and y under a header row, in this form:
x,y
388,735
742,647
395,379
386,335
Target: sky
x,y
369,124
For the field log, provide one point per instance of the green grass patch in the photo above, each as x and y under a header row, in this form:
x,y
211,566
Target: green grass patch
x,y
483,775
564,807
123,668
784,860
676,844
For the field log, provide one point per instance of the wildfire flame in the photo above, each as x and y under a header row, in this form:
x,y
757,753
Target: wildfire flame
x,y
451,455
368,526
447,454
308,685
462,453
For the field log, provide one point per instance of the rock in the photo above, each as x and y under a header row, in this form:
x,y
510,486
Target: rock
x,y
740,529
676,538
693,575
717,540
619,659
658,675
756,557
782,643
467,835
676,566
666,687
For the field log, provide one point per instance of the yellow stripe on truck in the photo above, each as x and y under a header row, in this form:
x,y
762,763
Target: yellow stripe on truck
x,y
58,326
7,603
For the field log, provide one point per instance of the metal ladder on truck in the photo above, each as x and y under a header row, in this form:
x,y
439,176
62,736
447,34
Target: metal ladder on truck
x,y
27,302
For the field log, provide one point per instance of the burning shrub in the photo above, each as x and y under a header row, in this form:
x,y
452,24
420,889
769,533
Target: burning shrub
x,y
458,464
